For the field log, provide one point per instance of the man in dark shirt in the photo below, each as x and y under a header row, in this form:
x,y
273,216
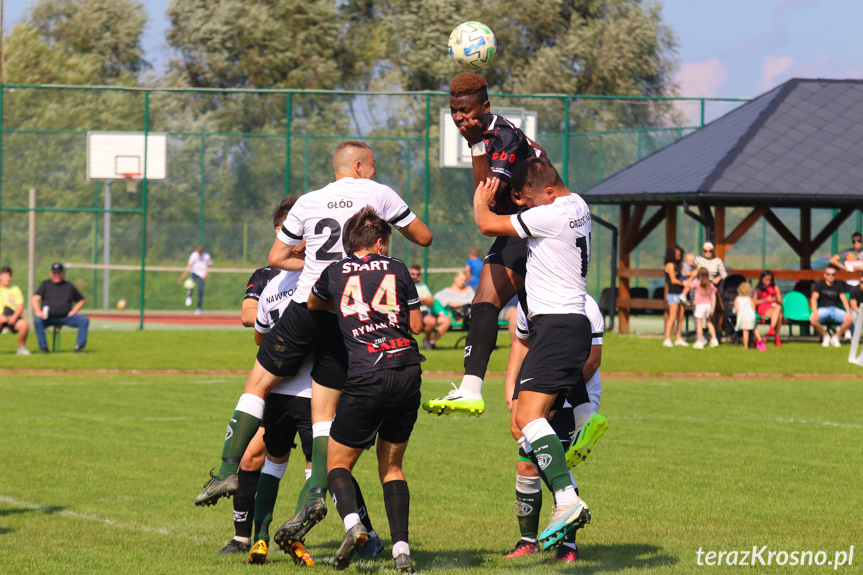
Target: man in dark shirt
x,y
378,309
830,304
57,302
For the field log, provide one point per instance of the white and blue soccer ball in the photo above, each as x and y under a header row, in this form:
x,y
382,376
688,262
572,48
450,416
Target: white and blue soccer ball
x,y
472,45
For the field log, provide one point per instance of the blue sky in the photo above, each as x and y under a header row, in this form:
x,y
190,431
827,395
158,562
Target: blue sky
x,y
728,48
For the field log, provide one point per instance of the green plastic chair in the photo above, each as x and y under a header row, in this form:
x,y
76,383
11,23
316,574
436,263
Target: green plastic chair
x,y
795,308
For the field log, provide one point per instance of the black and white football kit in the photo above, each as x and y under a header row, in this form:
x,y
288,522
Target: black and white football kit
x,y
558,241
506,146
373,296
288,408
319,218
259,280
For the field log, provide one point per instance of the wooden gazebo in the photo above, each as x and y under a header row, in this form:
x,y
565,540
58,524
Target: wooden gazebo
x,y
799,146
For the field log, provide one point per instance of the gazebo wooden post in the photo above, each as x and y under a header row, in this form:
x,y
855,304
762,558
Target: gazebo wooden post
x,y
719,230
670,225
625,249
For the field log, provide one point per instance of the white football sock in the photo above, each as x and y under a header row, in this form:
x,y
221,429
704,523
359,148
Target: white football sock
x,y
471,384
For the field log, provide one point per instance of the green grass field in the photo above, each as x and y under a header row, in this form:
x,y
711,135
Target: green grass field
x,y
101,466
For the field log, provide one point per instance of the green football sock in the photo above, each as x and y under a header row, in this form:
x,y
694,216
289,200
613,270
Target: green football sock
x,y
304,493
555,473
318,480
527,509
241,429
265,501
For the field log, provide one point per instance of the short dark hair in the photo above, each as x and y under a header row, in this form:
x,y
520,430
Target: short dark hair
x,y
831,267
468,84
535,173
364,228
6,270
416,267
282,210
856,235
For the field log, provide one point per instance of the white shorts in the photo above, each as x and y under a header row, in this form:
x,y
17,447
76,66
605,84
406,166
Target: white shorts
x,y
702,311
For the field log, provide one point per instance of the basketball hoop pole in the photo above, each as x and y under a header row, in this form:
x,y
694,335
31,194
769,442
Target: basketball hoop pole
x,y
106,249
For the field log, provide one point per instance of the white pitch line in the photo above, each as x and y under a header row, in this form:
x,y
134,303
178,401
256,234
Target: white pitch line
x,y
105,520
824,423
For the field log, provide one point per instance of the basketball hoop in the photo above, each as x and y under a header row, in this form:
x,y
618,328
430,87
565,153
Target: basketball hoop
x,y
131,182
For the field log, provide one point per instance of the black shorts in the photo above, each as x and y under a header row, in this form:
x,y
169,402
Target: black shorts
x,y
300,332
285,416
378,403
8,325
559,348
509,252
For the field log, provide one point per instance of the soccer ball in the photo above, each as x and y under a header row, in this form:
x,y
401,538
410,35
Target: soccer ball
x,y
121,304
189,284
472,45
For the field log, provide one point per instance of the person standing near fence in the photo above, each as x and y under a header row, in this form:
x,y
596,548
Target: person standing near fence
x,y
199,265
57,302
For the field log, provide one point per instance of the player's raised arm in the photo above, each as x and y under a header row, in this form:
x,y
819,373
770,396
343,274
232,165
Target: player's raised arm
x,y
489,223
285,257
417,232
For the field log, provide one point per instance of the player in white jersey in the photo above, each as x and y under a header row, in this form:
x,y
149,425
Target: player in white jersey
x,y
571,425
557,228
318,218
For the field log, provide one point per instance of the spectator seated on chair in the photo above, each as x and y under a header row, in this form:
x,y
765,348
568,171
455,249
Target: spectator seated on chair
x,y
12,310
830,305
57,302
452,304
768,303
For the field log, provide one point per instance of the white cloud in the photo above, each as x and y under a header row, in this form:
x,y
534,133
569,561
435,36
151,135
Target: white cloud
x,y
774,70
701,79
780,69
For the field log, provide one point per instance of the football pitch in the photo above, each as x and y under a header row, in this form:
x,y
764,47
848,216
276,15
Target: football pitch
x,y
100,467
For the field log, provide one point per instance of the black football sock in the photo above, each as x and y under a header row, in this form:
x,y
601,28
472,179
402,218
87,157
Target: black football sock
x,y
244,502
361,507
481,338
340,484
397,501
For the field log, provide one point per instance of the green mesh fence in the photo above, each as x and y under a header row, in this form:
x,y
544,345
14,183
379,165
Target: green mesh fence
x,y
232,155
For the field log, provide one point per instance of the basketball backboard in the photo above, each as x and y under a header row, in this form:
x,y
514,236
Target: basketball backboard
x,y
454,151
113,155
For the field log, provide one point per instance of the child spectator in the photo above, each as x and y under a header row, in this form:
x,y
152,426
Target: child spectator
x,y
688,269
705,302
746,316
768,303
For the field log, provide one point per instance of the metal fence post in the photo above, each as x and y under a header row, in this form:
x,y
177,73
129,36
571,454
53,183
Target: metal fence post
x,y
565,166
144,211
427,178
201,193
288,118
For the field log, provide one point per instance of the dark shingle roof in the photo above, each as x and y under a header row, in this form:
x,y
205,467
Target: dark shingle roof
x,y
798,144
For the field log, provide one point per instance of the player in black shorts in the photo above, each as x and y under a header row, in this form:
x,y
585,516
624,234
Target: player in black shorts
x,y
497,147
253,458
377,307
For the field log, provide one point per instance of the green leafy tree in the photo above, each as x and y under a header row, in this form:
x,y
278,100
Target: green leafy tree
x,y
109,30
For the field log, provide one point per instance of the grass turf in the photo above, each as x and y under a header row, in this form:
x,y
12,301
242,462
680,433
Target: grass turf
x,y
101,470
234,349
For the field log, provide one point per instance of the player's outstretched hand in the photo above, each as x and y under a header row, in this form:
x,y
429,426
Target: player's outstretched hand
x,y
485,191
